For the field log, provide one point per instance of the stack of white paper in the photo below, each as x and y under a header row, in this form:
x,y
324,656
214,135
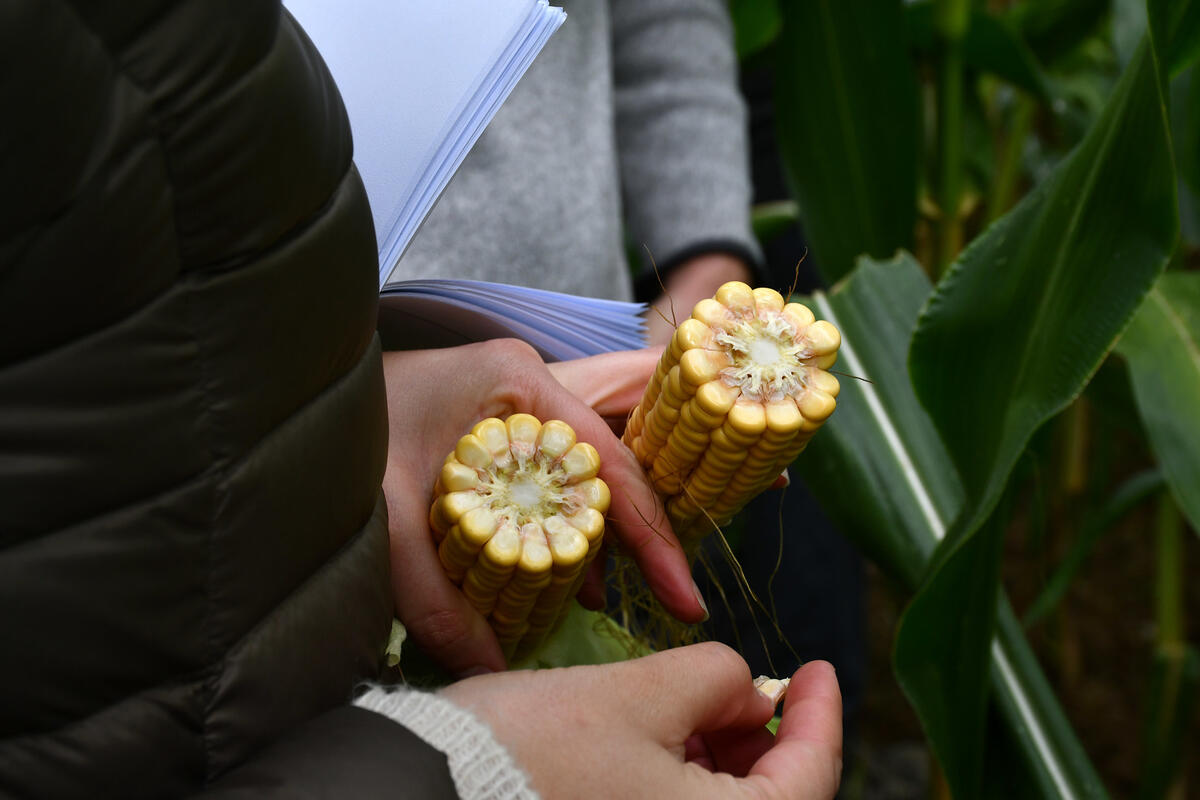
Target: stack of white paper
x,y
438,313
420,80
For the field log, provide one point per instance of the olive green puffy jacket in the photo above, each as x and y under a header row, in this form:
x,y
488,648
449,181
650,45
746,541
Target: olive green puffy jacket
x,y
193,543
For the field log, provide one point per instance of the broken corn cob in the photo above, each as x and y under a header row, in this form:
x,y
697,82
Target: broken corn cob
x,y
736,396
518,514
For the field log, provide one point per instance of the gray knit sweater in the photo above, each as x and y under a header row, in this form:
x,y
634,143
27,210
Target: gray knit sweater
x,y
628,123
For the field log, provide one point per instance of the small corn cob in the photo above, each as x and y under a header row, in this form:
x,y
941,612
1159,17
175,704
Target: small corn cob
x,y
736,396
518,514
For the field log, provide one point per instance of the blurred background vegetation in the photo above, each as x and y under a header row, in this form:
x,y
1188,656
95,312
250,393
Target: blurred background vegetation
x,y
999,206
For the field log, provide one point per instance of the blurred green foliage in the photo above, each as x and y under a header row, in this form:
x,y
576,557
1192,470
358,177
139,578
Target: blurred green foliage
x,y
1034,163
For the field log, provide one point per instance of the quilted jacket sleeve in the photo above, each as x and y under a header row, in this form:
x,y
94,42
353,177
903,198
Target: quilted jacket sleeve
x,y
193,541
349,752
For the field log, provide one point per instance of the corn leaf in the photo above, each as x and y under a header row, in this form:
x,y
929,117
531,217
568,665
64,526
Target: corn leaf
x,y
1052,758
903,485
991,45
1174,685
847,112
1162,347
1185,125
584,637
769,220
756,23
1009,338
888,483
1181,28
1054,27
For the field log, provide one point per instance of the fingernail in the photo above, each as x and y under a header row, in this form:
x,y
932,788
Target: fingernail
x,y
700,600
475,672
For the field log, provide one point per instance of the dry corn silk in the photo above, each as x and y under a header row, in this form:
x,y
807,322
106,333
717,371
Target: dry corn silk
x,y
518,515
738,393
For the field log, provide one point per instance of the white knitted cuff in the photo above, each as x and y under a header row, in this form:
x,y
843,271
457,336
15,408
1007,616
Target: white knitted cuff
x,y
480,766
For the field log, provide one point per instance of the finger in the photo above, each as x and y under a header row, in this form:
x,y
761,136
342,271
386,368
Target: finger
x,y
610,383
437,615
591,594
808,745
639,522
636,515
695,751
694,689
737,750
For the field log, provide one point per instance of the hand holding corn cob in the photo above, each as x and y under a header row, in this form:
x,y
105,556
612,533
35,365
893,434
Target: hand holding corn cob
x,y
436,396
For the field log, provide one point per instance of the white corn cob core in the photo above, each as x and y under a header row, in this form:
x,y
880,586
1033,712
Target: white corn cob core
x,y
736,396
518,514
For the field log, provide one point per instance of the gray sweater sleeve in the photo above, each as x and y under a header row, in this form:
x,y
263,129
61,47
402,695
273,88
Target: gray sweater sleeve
x,y
681,130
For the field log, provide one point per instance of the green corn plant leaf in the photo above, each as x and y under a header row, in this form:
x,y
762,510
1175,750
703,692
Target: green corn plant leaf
x,y
878,464
1009,338
940,655
847,112
880,435
1185,125
1162,348
1054,27
991,45
1029,310
769,220
756,23
1051,756
584,637
1174,685
1181,29
885,479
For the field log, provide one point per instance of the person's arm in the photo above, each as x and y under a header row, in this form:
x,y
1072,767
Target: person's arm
x,y
688,284
682,143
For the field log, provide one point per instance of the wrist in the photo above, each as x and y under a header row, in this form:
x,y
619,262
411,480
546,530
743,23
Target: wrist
x,y
480,766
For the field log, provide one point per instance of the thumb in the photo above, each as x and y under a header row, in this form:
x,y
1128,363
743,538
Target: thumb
x,y
437,615
808,746
611,383
694,689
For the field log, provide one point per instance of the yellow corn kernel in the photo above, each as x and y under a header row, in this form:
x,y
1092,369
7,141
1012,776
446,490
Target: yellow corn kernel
x,y
518,514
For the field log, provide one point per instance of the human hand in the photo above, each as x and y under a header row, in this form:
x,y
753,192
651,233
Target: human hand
x,y
436,396
682,723
688,284
610,383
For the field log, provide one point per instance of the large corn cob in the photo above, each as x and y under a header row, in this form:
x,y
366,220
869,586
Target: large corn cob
x,y
518,515
736,396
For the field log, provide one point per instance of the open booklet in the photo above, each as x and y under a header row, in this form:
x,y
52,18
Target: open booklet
x,y
440,313
420,82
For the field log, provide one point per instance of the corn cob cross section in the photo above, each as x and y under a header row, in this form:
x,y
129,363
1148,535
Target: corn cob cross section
x,y
518,514
736,396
